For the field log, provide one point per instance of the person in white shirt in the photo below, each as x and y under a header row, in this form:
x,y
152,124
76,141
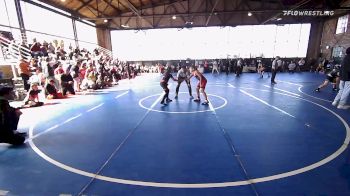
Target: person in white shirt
x,y
292,66
183,75
215,67
301,64
239,67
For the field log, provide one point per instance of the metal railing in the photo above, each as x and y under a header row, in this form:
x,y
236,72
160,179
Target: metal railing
x,y
105,51
13,51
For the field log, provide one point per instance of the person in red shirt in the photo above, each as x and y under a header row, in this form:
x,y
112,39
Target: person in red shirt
x,y
200,86
24,72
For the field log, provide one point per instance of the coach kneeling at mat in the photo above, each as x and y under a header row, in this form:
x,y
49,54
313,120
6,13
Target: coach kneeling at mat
x,y
9,118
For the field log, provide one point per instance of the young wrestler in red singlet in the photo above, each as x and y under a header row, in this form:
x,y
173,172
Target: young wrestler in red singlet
x,y
201,85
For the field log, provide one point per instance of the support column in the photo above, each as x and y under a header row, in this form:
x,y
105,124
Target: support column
x,y
314,45
75,33
104,38
20,21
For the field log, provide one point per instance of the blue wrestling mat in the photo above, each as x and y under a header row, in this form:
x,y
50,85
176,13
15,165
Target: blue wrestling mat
x,y
252,139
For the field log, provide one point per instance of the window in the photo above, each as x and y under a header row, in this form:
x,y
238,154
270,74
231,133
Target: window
x,y
337,51
290,40
342,24
52,23
8,14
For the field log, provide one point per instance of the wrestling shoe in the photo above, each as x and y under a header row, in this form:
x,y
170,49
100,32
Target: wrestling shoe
x,y
24,134
176,96
344,107
205,103
169,100
196,100
317,89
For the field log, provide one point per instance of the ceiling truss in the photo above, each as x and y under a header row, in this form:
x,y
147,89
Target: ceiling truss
x,y
148,14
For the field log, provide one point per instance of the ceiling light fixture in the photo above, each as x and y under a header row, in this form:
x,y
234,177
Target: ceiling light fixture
x,y
105,20
125,26
250,14
278,19
174,17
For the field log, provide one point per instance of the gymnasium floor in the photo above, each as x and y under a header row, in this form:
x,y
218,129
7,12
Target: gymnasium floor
x,y
253,139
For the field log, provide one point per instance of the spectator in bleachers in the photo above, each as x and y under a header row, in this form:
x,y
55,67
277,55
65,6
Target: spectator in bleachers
x,y
89,81
34,63
51,49
74,71
38,77
115,75
44,49
46,68
291,67
300,65
58,72
24,72
32,98
67,83
51,91
35,48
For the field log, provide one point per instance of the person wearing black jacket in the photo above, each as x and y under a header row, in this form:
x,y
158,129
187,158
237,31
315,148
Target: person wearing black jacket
x,y
9,118
67,83
344,86
164,84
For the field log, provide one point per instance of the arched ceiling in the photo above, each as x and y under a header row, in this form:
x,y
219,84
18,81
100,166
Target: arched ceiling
x,y
149,14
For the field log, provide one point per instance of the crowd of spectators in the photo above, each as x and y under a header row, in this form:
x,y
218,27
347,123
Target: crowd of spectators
x,y
57,72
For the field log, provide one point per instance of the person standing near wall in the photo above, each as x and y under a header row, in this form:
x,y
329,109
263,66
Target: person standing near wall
x,y
344,86
276,64
215,67
300,65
